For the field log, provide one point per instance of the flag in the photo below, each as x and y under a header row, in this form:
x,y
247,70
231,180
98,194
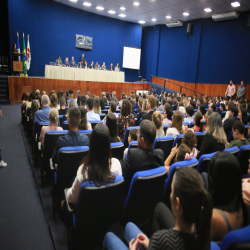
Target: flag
x,y
28,54
18,49
24,58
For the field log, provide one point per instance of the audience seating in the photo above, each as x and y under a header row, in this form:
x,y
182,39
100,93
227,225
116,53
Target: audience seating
x,y
61,120
230,137
243,157
193,163
145,192
102,116
86,132
105,111
98,208
68,162
214,246
204,161
186,123
237,240
234,150
178,140
125,139
223,114
246,131
191,124
165,143
117,149
199,137
133,144
93,123
165,128
65,125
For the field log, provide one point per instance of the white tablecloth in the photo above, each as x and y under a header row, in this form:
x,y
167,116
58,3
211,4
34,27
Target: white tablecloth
x,y
67,73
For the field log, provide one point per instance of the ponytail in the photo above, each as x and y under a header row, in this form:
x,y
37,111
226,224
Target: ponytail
x,y
204,222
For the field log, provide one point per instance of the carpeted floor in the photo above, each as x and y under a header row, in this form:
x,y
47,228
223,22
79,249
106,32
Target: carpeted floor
x,y
22,220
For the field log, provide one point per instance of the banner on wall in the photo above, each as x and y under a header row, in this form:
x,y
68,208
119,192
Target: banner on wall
x,y
28,54
24,58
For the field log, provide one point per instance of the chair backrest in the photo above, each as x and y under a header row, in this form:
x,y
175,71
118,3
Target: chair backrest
x,y
125,139
193,163
186,123
246,131
214,246
230,137
165,143
97,210
61,118
234,150
117,149
145,192
86,132
132,144
204,161
191,124
94,122
237,239
105,111
68,162
199,137
65,125
243,157
39,127
178,139
102,116
223,114
165,127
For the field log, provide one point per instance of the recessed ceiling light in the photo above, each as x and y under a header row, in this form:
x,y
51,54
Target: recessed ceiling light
x,y
235,4
111,12
141,22
99,8
87,4
168,17
153,19
185,14
207,10
122,8
136,3
122,15
73,1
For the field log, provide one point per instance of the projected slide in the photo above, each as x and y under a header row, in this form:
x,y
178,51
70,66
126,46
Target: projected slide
x,y
131,58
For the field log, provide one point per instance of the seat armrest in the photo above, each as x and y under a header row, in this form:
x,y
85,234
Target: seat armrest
x,y
51,164
39,145
70,206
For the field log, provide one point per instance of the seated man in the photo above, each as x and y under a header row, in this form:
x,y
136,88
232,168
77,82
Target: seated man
x,y
72,62
58,61
62,110
150,108
43,114
91,115
238,135
229,122
143,157
80,64
111,67
190,112
73,137
112,109
70,98
163,101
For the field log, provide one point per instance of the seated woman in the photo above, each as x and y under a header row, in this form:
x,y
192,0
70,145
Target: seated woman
x,y
34,108
53,125
176,126
202,109
96,105
92,66
131,137
25,99
198,124
117,67
111,123
126,118
84,124
102,104
103,66
215,137
208,113
157,119
97,166
168,113
66,62
243,115
192,208
54,101
190,140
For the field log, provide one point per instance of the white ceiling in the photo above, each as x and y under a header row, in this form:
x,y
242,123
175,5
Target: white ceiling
x,y
159,9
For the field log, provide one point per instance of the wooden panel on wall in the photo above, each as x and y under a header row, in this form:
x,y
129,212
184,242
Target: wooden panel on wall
x,y
16,85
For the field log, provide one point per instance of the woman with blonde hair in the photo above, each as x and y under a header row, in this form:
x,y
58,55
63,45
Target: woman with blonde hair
x,y
97,107
157,119
215,138
176,126
53,101
53,119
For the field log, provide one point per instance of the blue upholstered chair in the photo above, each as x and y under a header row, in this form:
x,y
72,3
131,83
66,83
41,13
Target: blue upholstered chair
x,y
193,163
132,144
102,116
246,131
243,157
98,208
145,192
199,137
214,246
178,140
204,161
191,124
94,122
165,143
65,125
125,139
237,240
86,132
223,114
117,149
230,137
234,150
165,127
105,111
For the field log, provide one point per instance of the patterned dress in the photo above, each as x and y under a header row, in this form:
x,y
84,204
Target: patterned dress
x,y
124,122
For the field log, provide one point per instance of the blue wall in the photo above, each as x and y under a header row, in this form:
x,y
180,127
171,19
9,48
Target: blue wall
x,y
52,28
217,51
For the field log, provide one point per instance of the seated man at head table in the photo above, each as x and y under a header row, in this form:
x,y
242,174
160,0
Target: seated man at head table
x,y
66,62
111,67
92,66
80,64
103,66
72,62
85,64
58,61
97,66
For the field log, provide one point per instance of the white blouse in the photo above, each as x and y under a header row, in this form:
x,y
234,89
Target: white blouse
x,y
174,132
73,192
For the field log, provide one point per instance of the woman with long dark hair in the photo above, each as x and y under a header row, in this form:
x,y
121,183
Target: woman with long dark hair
x,y
84,124
98,166
111,123
198,124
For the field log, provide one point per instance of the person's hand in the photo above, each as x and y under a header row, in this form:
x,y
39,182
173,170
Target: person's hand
x,y
143,240
227,143
133,245
174,150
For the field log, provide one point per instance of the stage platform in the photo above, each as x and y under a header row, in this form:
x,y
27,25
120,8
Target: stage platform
x,y
18,85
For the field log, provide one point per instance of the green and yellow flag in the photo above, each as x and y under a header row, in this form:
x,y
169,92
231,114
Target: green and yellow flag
x,y
24,58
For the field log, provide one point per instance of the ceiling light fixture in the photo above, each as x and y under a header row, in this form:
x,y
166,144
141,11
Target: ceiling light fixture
x,y
87,4
99,8
122,15
185,14
141,22
122,8
153,19
111,12
168,17
136,3
207,10
235,4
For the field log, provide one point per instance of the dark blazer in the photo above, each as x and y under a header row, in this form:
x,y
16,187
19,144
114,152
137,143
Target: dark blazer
x,y
139,114
148,116
210,145
228,124
111,68
140,160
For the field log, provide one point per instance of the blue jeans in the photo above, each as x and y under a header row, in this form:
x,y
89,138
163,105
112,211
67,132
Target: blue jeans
x,y
112,242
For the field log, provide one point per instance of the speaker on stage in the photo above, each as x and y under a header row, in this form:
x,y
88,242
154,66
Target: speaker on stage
x,y
140,78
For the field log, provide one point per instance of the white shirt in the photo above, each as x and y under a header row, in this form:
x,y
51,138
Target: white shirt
x,y
92,116
174,132
73,192
189,119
